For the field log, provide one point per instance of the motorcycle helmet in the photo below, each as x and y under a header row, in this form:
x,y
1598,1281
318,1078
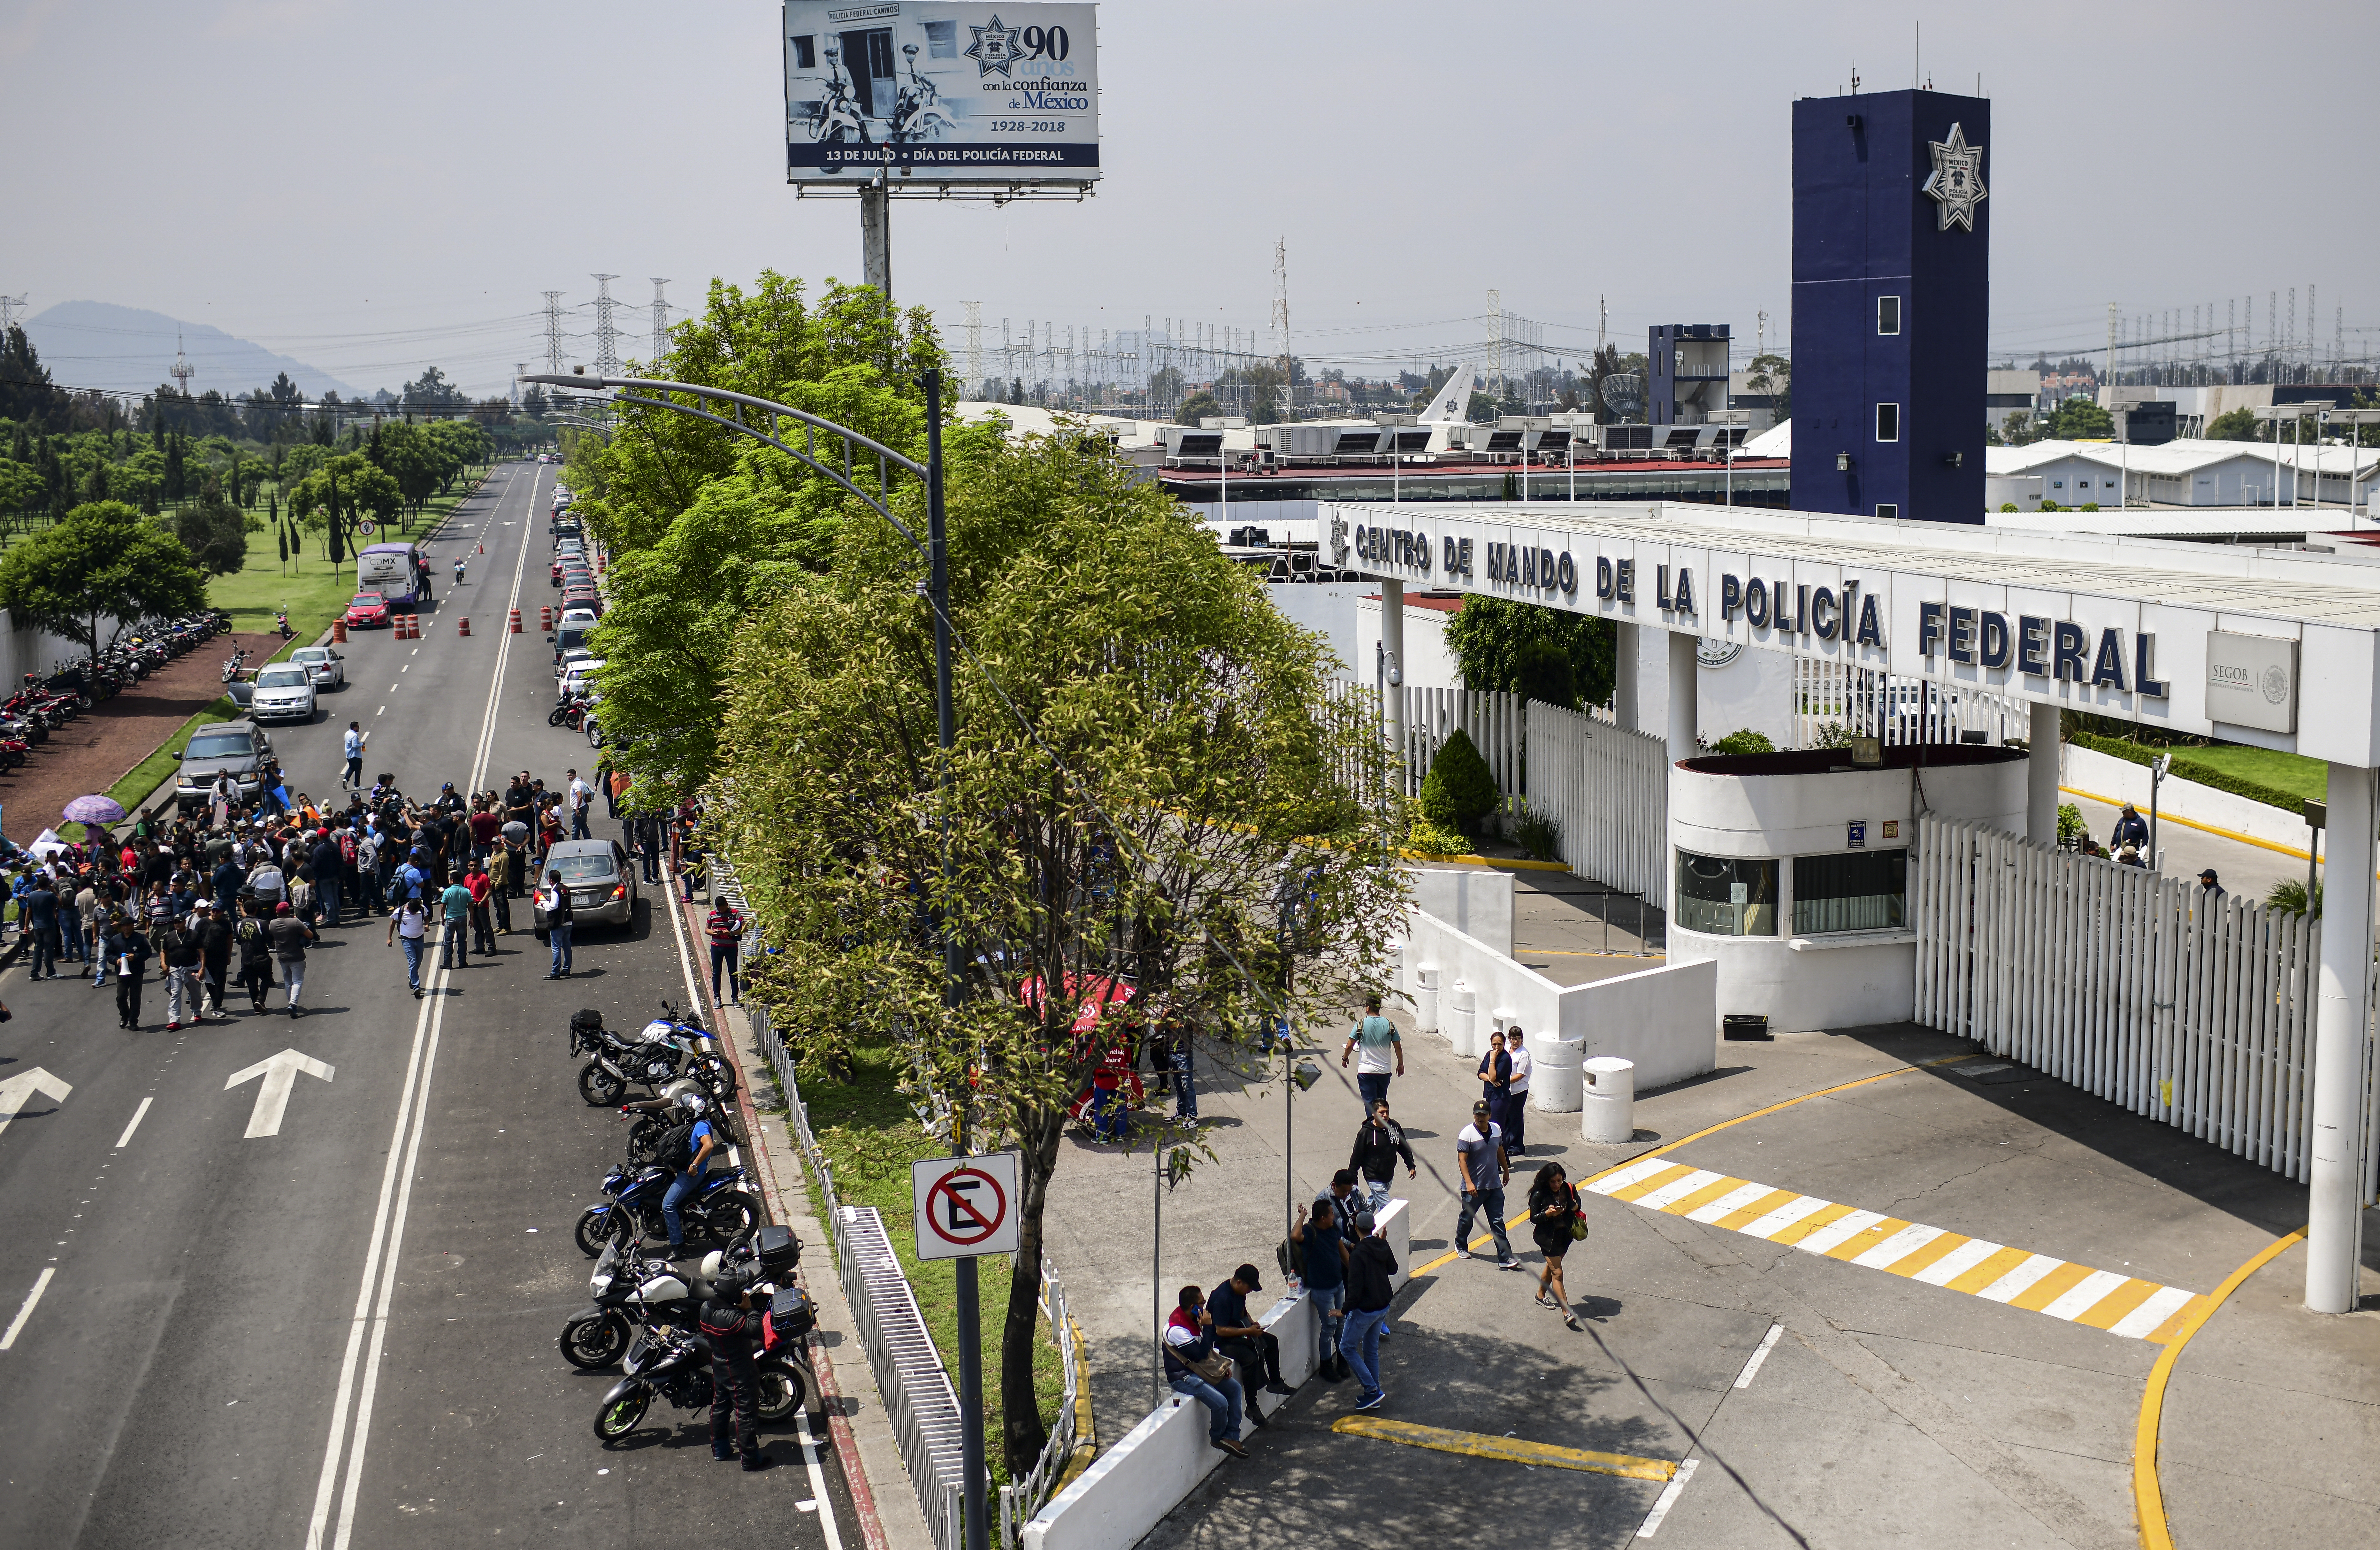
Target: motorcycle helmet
x,y
693,1103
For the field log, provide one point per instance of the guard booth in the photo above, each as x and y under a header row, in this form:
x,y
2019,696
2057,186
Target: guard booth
x,y
2271,648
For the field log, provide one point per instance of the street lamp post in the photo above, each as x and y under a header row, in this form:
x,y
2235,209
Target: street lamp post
x,y
934,550
1727,420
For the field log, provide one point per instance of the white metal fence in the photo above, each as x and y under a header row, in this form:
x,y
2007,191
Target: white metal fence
x,y
1609,788
1898,710
1493,720
2140,989
1019,1500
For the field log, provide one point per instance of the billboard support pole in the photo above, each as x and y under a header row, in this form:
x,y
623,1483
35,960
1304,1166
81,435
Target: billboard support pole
x,y
875,235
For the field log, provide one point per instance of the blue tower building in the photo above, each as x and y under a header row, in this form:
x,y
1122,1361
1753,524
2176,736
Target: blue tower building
x,y
1892,301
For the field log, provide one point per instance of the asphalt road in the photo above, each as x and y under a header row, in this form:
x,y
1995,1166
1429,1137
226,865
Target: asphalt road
x,y
343,1333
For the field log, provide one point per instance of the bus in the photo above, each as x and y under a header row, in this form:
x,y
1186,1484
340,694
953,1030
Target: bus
x,y
398,572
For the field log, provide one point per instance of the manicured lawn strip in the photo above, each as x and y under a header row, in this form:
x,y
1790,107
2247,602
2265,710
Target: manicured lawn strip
x,y
867,1133
2191,763
2283,772
153,770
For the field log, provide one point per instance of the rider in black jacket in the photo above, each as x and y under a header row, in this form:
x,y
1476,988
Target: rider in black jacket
x,y
731,1330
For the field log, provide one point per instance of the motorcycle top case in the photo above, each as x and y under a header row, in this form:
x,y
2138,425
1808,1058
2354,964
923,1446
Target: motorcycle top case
x,y
587,1021
778,1250
791,1314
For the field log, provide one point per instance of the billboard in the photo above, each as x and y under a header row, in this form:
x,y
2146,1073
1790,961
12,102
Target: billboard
x,y
942,91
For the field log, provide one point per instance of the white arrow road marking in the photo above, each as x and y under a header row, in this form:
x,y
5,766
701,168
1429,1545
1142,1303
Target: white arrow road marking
x,y
19,1090
280,1074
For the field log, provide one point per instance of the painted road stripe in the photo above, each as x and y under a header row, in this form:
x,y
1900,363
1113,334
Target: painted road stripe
x,y
16,1324
1478,1444
1751,1366
1669,1499
126,1139
2122,1305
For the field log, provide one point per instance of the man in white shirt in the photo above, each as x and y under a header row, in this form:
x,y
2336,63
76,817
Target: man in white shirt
x,y
1516,1113
582,796
353,776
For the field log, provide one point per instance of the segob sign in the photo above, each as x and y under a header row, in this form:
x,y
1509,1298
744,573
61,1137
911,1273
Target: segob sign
x,y
2251,680
939,92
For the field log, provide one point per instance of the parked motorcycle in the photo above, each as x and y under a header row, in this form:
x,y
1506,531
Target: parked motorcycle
x,y
668,1360
719,1213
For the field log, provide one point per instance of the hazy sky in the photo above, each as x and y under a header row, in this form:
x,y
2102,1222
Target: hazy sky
x,y
373,189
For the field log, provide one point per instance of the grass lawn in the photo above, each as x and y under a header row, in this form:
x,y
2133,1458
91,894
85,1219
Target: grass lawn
x,y
2284,772
867,1131
153,770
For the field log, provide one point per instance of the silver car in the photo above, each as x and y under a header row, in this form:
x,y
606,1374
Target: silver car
x,y
603,885
328,668
284,691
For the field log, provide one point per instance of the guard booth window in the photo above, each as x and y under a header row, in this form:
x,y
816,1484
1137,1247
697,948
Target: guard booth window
x,y
1722,895
1860,890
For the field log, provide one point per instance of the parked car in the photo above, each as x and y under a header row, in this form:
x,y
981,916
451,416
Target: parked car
x,y
573,657
238,749
367,609
586,598
602,885
284,691
328,668
577,676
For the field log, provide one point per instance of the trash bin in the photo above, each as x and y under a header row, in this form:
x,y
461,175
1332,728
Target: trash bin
x,y
1559,1077
1424,998
1607,1102
1462,1006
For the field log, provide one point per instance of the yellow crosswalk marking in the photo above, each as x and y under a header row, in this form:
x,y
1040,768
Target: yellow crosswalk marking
x,y
2122,1305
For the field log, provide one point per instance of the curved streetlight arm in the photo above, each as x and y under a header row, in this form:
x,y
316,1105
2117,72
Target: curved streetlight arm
x,y
795,453
583,382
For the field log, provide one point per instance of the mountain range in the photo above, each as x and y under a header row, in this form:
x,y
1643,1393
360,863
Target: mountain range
x,y
125,349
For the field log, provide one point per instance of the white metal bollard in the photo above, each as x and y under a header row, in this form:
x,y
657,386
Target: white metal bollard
x,y
1559,1074
1425,997
1462,1005
1607,1102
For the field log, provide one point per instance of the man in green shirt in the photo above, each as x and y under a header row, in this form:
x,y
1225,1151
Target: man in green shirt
x,y
455,909
1377,1038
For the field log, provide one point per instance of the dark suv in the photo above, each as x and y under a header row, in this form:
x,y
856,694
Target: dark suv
x,y
235,748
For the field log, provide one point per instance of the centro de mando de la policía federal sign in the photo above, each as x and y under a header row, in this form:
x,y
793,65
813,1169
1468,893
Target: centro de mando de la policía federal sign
x,y
2082,651
937,92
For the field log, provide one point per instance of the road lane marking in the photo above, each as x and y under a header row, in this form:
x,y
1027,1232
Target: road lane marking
x,y
16,1324
2122,1305
21,1089
1752,1365
280,1073
824,1506
1512,1450
126,1139
1669,1499
412,1107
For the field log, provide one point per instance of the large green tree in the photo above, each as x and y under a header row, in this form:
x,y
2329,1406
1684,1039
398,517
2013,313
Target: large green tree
x,y
97,572
1546,653
2081,419
214,532
1151,783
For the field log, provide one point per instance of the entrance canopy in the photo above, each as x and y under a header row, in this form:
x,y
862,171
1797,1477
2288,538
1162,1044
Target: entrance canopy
x,y
2271,647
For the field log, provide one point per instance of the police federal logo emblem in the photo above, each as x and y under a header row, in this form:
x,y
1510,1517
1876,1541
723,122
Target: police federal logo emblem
x,y
994,47
1957,184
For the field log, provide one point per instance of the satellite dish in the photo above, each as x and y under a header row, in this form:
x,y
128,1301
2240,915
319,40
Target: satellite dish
x,y
1623,394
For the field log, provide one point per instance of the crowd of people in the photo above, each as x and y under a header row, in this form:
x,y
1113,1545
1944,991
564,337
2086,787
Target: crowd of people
x,y
235,893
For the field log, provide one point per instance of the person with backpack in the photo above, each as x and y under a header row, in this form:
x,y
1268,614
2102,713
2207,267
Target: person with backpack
x,y
556,899
729,1328
407,924
1371,1269
685,1150
178,946
1322,1260
255,958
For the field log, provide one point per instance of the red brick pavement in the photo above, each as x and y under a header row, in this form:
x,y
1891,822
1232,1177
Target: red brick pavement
x,y
100,746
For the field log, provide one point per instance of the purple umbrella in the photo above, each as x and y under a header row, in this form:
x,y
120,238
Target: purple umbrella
x,y
93,810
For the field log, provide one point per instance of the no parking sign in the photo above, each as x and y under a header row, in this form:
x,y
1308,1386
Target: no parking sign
x,y
966,1207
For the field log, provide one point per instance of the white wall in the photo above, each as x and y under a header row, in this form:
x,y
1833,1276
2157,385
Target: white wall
x,y
1329,609
1475,902
1429,660
38,652
1144,1476
1754,690
2104,775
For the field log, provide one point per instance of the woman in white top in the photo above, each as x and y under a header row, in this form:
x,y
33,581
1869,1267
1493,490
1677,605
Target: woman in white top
x,y
407,927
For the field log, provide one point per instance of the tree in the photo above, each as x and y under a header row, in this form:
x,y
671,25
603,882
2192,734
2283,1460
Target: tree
x,y
336,491
103,561
1493,639
2079,419
1200,404
533,402
1481,409
214,532
1148,782
281,537
2240,424
26,395
1771,374
1459,790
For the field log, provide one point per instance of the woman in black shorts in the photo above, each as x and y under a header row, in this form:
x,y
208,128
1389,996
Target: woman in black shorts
x,y
1553,1207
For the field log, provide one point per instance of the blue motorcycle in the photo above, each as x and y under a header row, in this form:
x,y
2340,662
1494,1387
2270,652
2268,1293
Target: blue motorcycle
x,y
720,1213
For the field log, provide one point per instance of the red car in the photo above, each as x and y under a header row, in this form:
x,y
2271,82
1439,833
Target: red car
x,y
366,609
583,597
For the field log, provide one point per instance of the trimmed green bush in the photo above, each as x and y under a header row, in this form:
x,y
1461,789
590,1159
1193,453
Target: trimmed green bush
x,y
2204,774
1743,739
1459,790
